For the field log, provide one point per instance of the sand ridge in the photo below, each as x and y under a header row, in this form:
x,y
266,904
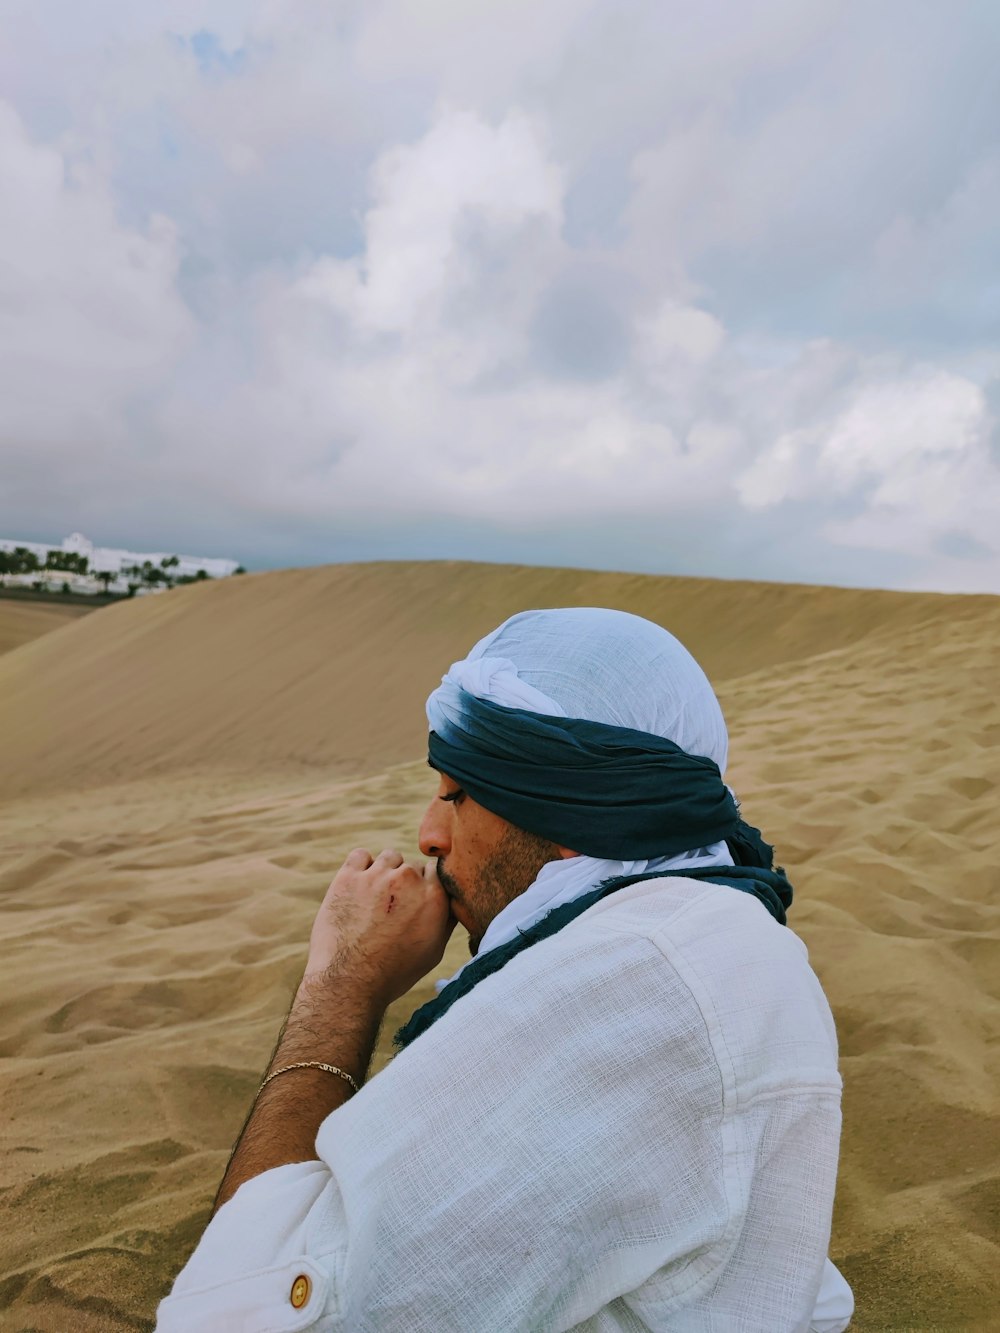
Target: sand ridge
x,y
154,924
22,621
317,670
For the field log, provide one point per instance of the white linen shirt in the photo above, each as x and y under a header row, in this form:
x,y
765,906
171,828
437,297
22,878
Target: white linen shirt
x,y
634,1125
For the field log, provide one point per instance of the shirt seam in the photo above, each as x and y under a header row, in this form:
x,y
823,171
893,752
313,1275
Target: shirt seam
x,y
715,1258
701,1269
795,1090
270,1270
614,905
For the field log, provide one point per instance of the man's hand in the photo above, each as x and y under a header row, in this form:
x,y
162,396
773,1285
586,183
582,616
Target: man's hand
x,y
383,923
382,926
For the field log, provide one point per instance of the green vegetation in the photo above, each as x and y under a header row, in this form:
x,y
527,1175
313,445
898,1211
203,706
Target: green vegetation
x,y
148,574
19,561
68,561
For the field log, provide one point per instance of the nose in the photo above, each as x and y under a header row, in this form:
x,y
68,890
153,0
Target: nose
x,y
435,835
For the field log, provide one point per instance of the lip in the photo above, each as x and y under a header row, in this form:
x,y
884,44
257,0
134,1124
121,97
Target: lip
x,y
456,906
443,879
454,900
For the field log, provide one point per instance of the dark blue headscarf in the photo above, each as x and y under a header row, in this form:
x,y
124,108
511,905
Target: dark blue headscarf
x,y
603,791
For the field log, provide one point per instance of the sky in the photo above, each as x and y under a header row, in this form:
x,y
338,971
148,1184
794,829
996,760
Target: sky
x,y
635,284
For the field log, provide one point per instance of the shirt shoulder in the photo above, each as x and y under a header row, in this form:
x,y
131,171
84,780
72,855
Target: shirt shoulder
x,y
764,1010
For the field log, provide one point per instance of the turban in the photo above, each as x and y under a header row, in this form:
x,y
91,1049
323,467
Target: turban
x,y
597,730
601,790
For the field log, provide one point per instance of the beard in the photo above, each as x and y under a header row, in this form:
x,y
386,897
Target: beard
x,y
510,868
451,887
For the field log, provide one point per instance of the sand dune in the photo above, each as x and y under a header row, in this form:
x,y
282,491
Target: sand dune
x,y
273,673
154,918
22,621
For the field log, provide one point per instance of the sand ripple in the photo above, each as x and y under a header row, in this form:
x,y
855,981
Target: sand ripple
x,y
154,923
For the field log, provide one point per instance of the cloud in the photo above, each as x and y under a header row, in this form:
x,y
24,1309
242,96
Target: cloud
x,y
90,318
394,271
914,453
446,212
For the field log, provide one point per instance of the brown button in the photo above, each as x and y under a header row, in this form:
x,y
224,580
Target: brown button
x,y
301,1288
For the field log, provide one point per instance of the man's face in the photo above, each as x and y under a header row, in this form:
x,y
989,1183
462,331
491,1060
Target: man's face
x,y
483,862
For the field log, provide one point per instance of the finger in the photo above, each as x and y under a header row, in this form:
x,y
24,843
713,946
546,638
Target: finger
x,y
359,859
390,857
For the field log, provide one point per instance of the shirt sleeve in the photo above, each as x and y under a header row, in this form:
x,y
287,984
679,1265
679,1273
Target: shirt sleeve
x,y
834,1304
552,1143
547,1145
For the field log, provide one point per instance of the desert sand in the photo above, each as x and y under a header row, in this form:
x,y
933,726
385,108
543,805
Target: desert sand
x,y
22,621
181,774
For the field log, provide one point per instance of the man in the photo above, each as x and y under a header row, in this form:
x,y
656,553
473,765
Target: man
x,y
623,1113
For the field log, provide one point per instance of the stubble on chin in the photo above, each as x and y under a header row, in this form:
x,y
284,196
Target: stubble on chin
x,y
450,886
504,876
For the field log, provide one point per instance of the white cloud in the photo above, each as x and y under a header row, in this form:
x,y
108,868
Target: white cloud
x,y
401,374
677,351
508,264
462,193
89,314
898,439
915,454
892,429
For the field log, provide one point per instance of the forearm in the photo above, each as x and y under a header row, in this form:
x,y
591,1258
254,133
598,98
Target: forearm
x,y
334,1018
381,926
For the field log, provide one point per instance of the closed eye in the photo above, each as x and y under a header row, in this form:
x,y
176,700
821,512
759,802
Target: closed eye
x,y
452,795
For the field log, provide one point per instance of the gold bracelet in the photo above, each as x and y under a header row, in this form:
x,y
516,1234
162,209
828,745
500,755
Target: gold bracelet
x,y
310,1064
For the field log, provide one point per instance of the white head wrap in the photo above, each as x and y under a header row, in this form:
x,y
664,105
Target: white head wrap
x,y
604,666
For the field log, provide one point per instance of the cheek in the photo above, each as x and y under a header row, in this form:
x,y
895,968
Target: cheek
x,y
470,843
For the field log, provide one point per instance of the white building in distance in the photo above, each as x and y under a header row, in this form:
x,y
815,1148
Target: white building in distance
x,y
111,560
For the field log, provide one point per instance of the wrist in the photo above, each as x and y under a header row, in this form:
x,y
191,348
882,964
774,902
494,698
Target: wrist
x,y
334,1018
341,980
332,1026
